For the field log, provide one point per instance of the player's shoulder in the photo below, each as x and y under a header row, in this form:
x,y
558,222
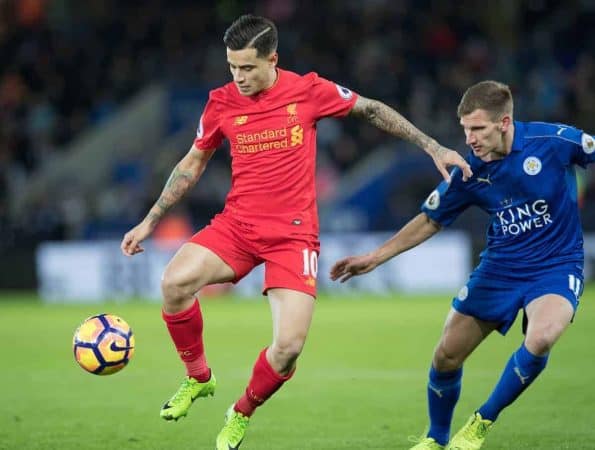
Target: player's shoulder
x,y
551,130
456,177
291,77
297,81
223,93
296,85
307,79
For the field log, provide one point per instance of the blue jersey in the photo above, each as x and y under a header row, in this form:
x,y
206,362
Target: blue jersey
x,y
530,195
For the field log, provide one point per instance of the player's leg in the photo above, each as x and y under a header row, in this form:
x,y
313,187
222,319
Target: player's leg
x,y
548,317
550,309
192,268
291,265
461,335
292,314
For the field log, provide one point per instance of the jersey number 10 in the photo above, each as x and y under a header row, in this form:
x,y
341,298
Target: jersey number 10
x,y
310,263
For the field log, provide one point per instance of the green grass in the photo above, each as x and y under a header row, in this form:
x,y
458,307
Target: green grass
x,y
360,383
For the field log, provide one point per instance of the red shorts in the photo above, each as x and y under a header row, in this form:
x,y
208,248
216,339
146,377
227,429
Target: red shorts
x,y
290,260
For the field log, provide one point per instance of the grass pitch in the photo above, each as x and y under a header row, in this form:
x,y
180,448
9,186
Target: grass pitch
x,y
360,383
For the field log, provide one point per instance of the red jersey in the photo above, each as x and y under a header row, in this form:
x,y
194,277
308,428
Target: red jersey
x,y
272,137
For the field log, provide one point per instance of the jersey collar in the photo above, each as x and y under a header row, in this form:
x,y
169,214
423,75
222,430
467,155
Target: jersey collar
x,y
271,88
518,140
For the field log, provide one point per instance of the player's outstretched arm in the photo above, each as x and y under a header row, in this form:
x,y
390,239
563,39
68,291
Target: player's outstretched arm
x,y
416,231
183,177
387,119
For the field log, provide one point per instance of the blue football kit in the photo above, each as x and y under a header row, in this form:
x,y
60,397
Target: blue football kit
x,y
534,238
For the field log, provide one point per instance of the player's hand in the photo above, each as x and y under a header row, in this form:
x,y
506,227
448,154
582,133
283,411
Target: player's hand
x,y
131,242
445,158
351,266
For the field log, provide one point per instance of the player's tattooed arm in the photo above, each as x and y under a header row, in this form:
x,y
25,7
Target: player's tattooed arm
x,y
387,119
183,177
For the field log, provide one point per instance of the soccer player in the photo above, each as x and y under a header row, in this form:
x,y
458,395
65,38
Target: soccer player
x,y
524,179
269,117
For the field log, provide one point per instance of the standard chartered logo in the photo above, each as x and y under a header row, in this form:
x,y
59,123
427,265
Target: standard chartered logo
x,y
297,135
269,139
520,219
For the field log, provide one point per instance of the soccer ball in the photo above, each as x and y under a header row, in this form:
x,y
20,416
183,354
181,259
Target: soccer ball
x,y
103,344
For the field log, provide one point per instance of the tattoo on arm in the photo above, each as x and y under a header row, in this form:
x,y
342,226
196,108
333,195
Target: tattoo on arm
x,y
387,119
177,185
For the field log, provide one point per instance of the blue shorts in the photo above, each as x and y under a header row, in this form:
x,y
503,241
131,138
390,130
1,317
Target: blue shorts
x,y
497,297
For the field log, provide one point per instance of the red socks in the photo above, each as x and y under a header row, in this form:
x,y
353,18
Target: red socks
x,y
185,329
263,384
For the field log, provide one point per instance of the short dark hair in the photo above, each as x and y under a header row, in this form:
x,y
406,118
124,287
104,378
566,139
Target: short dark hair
x,y
492,96
250,31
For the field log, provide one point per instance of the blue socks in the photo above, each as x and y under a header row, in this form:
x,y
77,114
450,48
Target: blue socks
x,y
444,389
521,370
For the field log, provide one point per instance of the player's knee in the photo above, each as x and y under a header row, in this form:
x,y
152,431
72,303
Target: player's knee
x,y
540,342
445,360
177,289
541,337
287,350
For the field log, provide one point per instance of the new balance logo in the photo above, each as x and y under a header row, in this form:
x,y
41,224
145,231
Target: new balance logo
x,y
240,120
520,375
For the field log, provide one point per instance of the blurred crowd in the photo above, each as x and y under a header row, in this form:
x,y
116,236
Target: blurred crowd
x,y
67,65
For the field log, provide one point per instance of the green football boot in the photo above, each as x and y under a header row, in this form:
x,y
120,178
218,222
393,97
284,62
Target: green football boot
x,y
232,434
190,390
426,443
472,435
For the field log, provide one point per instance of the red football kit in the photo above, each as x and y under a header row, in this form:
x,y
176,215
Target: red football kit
x,y
270,213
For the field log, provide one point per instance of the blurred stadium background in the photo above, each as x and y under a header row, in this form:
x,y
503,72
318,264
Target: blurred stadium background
x,y
100,98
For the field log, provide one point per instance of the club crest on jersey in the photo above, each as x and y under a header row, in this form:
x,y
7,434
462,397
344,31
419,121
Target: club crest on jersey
x,y
345,93
292,116
433,200
240,120
588,144
532,165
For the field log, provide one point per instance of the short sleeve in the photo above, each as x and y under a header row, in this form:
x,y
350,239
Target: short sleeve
x,y
208,133
585,153
331,99
448,200
574,146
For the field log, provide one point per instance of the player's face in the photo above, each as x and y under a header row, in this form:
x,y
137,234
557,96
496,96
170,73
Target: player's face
x,y
485,135
251,73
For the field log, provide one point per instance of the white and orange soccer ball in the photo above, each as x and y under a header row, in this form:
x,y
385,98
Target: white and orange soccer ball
x,y
103,344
